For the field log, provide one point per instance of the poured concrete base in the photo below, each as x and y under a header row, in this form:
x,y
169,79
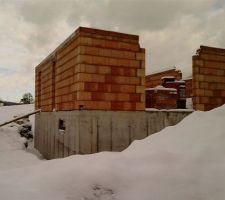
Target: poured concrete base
x,y
89,132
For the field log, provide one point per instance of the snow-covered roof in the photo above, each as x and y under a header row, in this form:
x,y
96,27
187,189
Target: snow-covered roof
x,y
160,87
169,77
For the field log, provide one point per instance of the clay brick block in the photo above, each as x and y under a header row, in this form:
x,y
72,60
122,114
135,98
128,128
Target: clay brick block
x,y
105,52
86,41
136,97
214,64
141,72
140,106
204,85
97,96
199,92
208,93
102,87
90,86
222,93
123,97
110,97
120,71
216,93
122,54
94,105
67,106
116,105
142,64
196,69
204,100
99,43
90,68
198,77
67,98
220,72
89,50
84,95
123,88
79,86
219,86
111,44
140,89
140,56
83,77
104,70
142,97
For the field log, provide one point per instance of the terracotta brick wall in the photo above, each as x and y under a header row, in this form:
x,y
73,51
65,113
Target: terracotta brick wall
x,y
93,69
208,78
152,80
161,98
188,84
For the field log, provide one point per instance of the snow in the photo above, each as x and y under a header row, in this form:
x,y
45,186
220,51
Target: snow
x,y
185,162
189,103
167,77
12,150
160,87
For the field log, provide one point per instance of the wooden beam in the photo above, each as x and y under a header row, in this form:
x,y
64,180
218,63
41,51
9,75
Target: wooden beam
x,y
22,117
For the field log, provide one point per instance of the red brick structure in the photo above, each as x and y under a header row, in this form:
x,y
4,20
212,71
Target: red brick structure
x,y
152,80
208,78
188,83
169,95
93,70
161,98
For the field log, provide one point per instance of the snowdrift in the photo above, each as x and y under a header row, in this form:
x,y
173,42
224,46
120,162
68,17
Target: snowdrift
x,y
12,150
185,162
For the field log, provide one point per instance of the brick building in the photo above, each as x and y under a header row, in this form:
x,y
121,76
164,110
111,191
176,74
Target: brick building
x,y
170,94
91,90
188,84
93,70
154,79
208,68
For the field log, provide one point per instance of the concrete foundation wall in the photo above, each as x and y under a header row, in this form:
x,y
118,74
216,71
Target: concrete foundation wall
x,y
89,132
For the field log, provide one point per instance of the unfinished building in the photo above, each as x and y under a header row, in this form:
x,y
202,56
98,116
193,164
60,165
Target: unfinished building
x,y
91,91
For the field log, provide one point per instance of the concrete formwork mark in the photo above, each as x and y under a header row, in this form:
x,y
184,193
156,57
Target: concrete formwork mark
x,y
95,131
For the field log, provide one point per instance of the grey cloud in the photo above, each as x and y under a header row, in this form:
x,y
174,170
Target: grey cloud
x,y
170,30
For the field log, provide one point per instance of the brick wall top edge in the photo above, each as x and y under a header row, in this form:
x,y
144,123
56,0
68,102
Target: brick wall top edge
x,y
163,72
87,30
210,50
106,32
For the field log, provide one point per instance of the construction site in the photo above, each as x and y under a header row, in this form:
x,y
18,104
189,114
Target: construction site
x,y
94,95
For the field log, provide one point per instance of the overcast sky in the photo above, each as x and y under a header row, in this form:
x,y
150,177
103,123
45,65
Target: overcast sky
x,y
170,30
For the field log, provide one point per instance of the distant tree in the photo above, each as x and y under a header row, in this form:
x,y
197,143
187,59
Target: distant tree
x,y
27,98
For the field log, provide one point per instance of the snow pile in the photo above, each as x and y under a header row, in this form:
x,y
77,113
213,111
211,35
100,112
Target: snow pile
x,y
185,162
12,150
8,112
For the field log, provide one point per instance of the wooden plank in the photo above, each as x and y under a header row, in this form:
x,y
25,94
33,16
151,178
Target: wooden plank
x,y
22,117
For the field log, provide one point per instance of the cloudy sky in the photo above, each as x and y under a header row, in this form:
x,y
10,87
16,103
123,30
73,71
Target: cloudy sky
x,y
170,30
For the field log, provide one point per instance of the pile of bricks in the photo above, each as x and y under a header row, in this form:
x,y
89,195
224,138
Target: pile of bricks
x,y
208,78
93,70
152,80
161,98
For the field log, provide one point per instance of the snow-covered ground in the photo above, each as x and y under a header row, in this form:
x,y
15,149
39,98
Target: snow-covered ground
x,y
13,153
185,162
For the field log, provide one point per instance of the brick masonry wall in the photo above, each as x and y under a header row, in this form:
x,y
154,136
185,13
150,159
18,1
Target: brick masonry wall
x,y
152,80
208,78
94,70
161,99
188,84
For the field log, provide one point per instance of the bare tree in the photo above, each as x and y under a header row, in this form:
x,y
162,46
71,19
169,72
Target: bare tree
x,y
27,98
